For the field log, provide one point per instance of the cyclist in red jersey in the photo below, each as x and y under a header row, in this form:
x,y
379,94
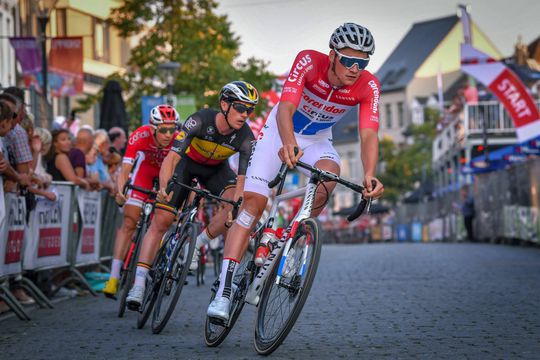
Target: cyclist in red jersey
x,y
319,91
146,149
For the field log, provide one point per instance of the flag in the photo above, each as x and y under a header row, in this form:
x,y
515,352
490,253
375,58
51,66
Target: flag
x,y
507,87
466,23
66,76
28,54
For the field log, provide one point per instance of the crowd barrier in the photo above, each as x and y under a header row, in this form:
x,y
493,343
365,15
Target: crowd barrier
x,y
77,229
506,208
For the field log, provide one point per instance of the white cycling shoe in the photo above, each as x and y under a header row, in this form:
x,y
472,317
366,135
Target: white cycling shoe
x,y
219,308
195,260
135,297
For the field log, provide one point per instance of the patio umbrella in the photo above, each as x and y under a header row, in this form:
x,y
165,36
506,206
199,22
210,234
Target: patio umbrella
x,y
112,107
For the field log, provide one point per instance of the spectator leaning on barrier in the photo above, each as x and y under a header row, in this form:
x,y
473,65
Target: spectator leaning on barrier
x,y
103,157
41,144
18,144
6,119
58,164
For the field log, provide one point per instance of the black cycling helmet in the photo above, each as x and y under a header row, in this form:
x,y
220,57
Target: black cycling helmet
x,y
239,91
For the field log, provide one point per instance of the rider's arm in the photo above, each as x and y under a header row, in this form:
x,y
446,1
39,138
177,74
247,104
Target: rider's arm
x,y
285,113
167,168
123,176
370,150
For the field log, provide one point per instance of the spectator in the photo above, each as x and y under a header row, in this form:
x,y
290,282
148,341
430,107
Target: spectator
x,y
8,105
70,122
118,139
103,157
17,139
41,144
467,209
77,155
58,164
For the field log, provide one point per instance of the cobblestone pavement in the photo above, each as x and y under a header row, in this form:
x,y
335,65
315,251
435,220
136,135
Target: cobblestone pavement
x,y
389,301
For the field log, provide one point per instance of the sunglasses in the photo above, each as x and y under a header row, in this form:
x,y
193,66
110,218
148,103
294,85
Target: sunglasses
x,y
241,108
350,61
166,130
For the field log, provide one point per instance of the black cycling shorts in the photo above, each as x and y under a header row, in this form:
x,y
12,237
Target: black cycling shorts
x,y
215,179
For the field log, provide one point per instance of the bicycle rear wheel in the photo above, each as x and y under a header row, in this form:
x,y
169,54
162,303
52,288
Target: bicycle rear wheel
x,y
281,304
153,281
214,331
128,275
174,278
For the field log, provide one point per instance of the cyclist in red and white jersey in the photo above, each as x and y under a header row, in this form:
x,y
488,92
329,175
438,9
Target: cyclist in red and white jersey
x,y
318,92
146,149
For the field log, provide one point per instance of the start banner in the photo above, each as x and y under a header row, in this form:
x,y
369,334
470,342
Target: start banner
x,y
48,231
12,235
90,210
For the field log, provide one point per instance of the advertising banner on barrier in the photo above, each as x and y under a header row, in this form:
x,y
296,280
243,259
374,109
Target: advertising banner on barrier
x,y
416,231
48,231
12,235
90,210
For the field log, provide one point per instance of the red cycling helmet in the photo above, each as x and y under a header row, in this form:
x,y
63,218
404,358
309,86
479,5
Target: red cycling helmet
x,y
164,114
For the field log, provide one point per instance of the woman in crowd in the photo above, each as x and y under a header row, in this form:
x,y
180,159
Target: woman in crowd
x,y
58,164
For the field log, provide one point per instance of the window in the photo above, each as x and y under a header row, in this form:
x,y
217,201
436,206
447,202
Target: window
x,y
388,108
401,114
101,40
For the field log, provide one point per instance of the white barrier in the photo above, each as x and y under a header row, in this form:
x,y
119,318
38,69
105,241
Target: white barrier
x,y
90,234
48,231
12,235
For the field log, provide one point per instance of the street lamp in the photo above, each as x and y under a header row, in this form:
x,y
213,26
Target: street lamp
x,y
44,10
169,69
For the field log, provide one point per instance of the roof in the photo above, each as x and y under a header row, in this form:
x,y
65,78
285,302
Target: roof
x,y
412,51
346,129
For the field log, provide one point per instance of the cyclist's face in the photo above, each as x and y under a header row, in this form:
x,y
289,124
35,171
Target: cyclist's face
x,y
237,118
347,76
164,134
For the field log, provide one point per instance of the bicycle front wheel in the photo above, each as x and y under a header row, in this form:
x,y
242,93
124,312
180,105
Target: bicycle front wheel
x,y
174,278
282,303
128,275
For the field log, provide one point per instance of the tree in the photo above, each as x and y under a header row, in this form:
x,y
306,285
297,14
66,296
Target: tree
x,y
404,167
190,33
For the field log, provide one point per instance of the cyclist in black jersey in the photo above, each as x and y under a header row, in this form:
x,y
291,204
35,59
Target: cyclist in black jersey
x,y
201,149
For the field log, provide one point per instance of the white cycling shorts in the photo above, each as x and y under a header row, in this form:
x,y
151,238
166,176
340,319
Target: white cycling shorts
x,y
264,163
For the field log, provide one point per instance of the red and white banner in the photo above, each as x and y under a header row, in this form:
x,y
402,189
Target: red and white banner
x,y
48,231
89,242
12,235
507,87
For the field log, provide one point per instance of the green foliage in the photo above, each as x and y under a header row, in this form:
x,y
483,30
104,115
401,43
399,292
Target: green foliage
x,y
405,166
188,32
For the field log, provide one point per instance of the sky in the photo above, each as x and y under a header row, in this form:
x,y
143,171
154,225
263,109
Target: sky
x,y
276,30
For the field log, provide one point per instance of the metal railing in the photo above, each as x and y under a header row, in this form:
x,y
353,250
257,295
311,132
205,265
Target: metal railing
x,y
498,121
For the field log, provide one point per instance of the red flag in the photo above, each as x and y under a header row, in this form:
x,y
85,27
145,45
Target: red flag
x,y
66,66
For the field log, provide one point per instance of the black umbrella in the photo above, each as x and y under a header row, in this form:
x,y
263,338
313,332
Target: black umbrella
x,y
112,107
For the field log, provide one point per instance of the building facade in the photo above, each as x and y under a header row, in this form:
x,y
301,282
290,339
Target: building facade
x,y
8,26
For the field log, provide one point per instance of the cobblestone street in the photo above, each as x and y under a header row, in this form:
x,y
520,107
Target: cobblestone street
x,y
395,301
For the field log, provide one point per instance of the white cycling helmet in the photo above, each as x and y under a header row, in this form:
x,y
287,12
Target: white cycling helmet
x,y
164,114
354,36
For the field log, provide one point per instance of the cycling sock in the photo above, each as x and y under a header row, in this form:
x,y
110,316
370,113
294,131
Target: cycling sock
x,y
225,278
140,274
203,239
115,268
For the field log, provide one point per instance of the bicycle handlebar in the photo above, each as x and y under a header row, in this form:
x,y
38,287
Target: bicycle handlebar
x,y
207,194
364,204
